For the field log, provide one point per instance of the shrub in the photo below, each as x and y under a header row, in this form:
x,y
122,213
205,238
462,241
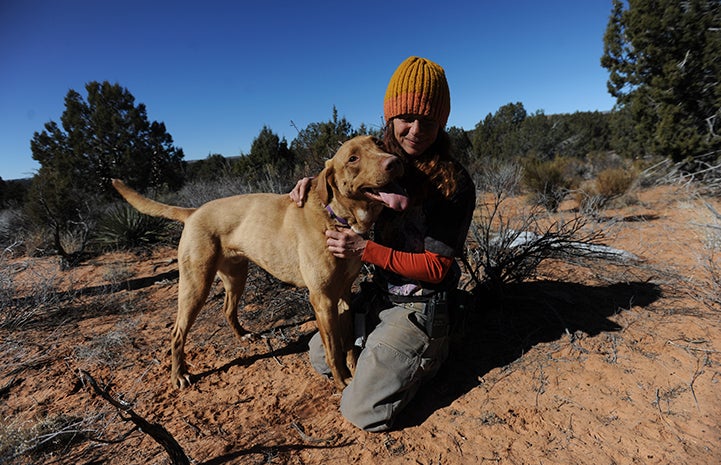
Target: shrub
x,y
598,161
24,302
508,241
104,349
707,288
610,184
52,433
7,285
614,182
548,181
11,226
196,193
508,249
501,178
124,227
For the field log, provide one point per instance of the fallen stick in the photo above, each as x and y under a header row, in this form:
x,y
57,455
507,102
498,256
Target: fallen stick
x,y
154,430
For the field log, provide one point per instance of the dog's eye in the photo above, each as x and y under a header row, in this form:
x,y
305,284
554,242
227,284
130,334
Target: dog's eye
x,y
353,159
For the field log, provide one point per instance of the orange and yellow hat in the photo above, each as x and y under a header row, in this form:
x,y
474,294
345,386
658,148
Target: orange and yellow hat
x,y
418,87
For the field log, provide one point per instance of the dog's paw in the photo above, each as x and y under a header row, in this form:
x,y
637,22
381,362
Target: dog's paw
x,y
342,383
182,381
252,337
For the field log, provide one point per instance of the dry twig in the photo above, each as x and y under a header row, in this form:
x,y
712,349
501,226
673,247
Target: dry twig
x,y
154,430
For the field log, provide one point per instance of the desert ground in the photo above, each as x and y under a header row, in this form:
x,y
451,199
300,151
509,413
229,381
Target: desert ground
x,y
600,364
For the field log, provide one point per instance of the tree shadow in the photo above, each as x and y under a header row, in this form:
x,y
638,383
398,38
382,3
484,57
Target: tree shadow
x,y
47,307
503,327
642,218
268,452
102,289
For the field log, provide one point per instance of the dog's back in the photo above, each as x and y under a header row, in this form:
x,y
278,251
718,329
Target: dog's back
x,y
268,229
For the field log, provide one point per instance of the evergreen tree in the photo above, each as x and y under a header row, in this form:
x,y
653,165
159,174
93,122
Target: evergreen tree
x,y
537,135
103,137
577,134
208,169
511,133
662,58
269,155
107,136
364,130
320,141
495,136
461,146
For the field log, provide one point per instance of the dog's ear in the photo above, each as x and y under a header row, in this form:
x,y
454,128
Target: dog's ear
x,y
326,180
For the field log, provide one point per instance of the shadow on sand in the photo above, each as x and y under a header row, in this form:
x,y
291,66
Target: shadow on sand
x,y
504,327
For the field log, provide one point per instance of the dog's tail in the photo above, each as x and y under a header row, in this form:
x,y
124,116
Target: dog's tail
x,y
151,207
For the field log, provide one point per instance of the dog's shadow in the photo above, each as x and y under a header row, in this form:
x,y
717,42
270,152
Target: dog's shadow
x,y
500,328
294,346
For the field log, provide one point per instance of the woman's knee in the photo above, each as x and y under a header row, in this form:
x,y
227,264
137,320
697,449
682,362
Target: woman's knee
x,y
387,375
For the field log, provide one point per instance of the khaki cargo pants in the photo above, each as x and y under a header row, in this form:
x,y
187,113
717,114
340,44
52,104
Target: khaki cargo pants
x,y
397,357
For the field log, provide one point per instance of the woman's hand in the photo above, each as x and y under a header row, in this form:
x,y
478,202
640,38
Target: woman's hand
x,y
345,243
299,194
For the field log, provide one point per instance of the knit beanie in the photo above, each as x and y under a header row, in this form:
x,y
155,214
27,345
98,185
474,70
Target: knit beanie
x,y
418,87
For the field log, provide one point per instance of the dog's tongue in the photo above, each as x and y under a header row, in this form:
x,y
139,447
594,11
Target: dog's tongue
x,y
395,199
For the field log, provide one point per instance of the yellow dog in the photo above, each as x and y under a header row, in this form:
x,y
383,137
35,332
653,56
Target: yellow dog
x,y
289,242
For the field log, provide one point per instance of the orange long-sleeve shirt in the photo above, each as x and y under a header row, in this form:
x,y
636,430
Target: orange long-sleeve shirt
x,y
426,266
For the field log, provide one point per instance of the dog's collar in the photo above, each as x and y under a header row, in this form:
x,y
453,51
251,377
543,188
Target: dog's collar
x,y
344,222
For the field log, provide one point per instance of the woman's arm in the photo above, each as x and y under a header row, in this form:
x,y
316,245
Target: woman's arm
x,y
424,266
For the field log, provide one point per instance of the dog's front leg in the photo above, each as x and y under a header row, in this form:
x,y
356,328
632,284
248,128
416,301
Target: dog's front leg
x,y
347,332
329,326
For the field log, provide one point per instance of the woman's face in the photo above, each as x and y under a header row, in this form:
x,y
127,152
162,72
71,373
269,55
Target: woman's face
x,y
415,133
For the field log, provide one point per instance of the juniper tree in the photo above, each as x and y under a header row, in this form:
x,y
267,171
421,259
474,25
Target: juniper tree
x,y
105,136
664,70
319,141
269,155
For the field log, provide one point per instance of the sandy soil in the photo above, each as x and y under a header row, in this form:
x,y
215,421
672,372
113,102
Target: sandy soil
x,y
601,365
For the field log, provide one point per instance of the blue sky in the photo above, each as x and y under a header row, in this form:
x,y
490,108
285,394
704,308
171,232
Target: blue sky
x,y
216,72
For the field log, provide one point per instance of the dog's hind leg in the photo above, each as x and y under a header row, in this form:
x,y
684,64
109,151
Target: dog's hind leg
x,y
193,288
234,277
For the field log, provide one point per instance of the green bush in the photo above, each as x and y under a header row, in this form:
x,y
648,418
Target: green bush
x,y
124,227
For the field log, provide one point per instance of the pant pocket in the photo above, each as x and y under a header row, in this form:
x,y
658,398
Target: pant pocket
x,y
399,329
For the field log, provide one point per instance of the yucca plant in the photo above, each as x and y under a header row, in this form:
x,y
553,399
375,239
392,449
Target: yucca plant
x,y
124,227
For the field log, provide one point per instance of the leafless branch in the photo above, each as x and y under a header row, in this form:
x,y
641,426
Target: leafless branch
x,y
154,430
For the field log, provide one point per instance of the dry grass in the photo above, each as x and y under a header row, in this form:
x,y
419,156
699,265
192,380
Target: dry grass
x,y
27,301
42,437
